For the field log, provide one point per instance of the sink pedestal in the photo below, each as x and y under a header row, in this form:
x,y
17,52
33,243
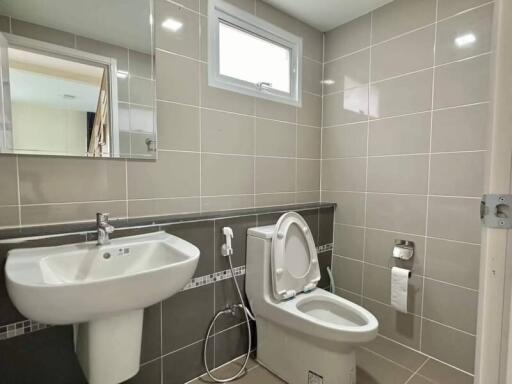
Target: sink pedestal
x,y
108,348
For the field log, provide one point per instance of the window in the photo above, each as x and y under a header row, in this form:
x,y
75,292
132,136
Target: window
x,y
253,57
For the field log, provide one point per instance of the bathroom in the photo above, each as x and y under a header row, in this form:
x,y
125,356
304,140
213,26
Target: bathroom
x,y
320,183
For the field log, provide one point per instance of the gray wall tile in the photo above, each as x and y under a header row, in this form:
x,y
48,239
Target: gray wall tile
x,y
345,141
348,274
400,135
275,138
275,175
398,174
344,175
403,95
462,82
402,213
454,218
449,345
457,174
460,129
347,72
348,38
408,53
348,241
477,23
453,262
402,16
178,127
229,133
451,305
213,175
181,179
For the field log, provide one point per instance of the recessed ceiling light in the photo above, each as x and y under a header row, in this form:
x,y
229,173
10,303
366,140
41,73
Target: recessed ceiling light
x,y
465,40
122,74
172,25
328,82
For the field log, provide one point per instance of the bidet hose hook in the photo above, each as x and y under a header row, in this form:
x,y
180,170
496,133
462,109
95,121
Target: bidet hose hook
x,y
248,315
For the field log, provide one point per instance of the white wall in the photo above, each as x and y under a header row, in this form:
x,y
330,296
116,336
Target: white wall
x,y
40,128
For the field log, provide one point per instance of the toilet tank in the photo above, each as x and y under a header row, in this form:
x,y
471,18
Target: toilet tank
x,y
257,279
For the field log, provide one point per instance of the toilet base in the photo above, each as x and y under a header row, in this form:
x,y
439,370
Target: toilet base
x,y
298,358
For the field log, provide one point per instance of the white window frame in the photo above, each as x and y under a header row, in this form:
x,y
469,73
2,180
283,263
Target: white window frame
x,y
221,11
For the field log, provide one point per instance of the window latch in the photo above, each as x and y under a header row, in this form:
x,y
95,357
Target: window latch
x,y
264,85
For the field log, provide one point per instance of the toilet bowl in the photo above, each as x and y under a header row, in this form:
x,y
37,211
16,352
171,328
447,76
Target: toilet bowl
x,y
304,334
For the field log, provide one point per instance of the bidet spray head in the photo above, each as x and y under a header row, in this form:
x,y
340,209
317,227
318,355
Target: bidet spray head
x,y
227,249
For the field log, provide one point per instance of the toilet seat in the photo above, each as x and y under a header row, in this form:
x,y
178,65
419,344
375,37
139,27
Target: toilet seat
x,y
326,316
294,261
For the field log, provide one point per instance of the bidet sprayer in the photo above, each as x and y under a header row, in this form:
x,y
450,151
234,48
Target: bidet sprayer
x,y
227,249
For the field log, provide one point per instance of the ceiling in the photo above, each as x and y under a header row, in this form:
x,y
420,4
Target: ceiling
x,y
325,15
120,22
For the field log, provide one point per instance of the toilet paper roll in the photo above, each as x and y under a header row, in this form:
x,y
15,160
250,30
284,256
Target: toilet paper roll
x,y
399,282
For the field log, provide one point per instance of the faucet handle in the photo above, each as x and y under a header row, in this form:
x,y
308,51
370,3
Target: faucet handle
x,y
102,217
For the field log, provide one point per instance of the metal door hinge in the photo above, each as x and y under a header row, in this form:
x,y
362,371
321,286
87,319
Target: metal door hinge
x,y
495,211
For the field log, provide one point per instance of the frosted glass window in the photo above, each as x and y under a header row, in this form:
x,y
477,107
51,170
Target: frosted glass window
x,y
250,58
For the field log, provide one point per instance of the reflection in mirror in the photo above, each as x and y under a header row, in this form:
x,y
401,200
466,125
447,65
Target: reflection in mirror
x,y
77,78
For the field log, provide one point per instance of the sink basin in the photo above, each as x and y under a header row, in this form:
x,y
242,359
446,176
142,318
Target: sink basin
x,y
103,291
80,282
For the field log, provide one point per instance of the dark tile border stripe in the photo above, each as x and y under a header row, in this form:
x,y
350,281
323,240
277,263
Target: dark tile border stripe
x,y
121,224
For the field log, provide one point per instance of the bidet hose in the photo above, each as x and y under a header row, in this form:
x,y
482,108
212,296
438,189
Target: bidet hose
x,y
247,315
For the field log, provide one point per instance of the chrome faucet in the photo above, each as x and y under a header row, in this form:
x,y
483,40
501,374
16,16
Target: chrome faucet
x,y
104,228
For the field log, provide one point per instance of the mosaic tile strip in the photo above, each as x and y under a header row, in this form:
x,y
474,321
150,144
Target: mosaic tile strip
x,y
28,326
212,278
325,248
20,328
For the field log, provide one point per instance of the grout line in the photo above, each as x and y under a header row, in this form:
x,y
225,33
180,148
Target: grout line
x,y
411,114
405,74
415,372
235,113
429,171
18,185
424,354
387,359
366,156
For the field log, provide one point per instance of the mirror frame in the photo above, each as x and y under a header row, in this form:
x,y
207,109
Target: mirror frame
x,y
49,49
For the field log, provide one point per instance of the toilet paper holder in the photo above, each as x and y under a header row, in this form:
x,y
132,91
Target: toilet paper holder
x,y
403,250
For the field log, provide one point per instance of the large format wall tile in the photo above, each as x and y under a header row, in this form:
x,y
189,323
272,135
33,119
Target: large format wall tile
x,y
344,141
402,16
228,133
403,95
398,174
9,185
184,41
175,174
51,180
463,82
348,38
408,53
400,135
347,72
460,129
449,345
477,23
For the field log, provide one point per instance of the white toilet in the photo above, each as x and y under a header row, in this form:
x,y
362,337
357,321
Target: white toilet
x,y
305,335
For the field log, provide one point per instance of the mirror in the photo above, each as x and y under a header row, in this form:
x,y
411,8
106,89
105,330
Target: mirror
x,y
77,78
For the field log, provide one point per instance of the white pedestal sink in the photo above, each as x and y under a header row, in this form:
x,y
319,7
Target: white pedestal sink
x,y
103,290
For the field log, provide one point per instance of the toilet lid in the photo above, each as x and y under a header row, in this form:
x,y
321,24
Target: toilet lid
x,y
294,260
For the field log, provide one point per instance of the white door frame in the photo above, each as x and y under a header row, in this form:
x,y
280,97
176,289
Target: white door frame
x,y
494,339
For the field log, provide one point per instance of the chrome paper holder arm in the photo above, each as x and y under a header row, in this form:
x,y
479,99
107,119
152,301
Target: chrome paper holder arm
x,y
403,250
